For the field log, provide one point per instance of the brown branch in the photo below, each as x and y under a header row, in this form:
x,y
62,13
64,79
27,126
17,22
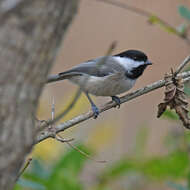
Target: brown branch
x,y
72,122
126,6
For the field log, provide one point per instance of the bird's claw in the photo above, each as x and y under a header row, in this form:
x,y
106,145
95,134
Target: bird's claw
x,y
117,101
95,111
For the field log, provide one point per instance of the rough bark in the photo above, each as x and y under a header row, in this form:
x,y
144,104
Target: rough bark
x,y
30,35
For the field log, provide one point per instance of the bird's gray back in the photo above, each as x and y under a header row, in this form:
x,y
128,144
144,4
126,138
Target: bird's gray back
x,y
100,67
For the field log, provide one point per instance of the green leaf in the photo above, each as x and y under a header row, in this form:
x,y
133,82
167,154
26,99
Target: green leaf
x,y
155,20
169,114
184,12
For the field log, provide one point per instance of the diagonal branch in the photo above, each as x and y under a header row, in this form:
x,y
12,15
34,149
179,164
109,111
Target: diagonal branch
x,y
182,65
149,16
72,122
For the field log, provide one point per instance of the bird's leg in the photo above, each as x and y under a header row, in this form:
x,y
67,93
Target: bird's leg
x,y
94,107
116,100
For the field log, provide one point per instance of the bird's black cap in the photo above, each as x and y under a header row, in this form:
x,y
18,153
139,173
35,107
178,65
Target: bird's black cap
x,y
133,54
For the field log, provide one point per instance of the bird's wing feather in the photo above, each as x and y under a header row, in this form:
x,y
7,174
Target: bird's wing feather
x,y
99,67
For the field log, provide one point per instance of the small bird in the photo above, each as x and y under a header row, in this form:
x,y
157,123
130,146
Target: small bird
x,y
106,75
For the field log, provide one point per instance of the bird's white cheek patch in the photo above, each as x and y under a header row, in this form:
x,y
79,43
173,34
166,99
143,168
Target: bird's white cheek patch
x,y
127,63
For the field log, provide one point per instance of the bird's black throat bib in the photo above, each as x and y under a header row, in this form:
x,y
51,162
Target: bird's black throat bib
x,y
136,72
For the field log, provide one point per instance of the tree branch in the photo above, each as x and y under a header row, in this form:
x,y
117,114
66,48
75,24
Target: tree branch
x,y
181,66
72,122
149,16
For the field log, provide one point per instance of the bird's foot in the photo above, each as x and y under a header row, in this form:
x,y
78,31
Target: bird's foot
x,y
117,101
95,111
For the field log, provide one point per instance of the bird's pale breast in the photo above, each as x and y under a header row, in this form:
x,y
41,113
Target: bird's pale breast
x,y
104,86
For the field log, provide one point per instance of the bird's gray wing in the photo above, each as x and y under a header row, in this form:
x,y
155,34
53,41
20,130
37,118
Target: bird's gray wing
x,y
99,67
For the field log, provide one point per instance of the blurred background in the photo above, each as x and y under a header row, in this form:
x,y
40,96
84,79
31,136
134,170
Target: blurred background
x,y
140,150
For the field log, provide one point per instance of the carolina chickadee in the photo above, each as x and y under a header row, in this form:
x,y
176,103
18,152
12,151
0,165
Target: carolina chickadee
x,y
107,75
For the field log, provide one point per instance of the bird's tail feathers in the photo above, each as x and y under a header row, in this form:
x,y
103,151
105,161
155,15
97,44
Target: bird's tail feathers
x,y
61,76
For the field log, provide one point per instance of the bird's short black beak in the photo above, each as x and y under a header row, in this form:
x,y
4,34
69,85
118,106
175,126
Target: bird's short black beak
x,y
148,63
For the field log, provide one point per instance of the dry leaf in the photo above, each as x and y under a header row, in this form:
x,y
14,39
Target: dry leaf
x,y
175,98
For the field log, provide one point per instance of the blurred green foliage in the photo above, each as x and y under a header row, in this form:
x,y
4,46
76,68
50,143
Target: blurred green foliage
x,y
155,20
184,12
64,174
181,30
156,168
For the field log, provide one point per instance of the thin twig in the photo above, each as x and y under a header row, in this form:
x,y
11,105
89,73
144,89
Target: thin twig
x,y
67,141
186,79
53,109
85,154
24,168
109,51
182,65
70,123
61,139
62,114
126,6
146,14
